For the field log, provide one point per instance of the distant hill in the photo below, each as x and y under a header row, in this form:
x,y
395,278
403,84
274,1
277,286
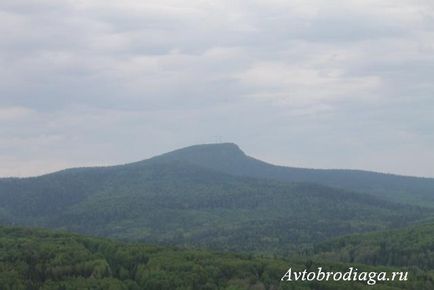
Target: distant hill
x,y
412,246
40,259
172,199
229,158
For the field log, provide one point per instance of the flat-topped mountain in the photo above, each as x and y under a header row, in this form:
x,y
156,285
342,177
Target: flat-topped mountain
x,y
208,195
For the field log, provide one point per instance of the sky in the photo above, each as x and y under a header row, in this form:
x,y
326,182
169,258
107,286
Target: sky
x,y
308,83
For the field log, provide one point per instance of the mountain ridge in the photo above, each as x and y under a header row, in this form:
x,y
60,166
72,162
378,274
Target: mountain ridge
x,y
230,146
171,201
228,158
407,189
212,196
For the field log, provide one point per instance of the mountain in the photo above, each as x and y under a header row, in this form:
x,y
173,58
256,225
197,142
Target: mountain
x,y
33,259
172,199
412,246
229,158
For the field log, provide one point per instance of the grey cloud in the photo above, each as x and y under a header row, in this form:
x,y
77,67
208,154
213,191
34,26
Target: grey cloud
x,y
308,83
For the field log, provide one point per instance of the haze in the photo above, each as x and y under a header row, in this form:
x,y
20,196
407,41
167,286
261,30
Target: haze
x,y
324,84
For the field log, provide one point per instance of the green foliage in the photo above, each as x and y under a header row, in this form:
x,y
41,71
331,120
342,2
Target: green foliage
x,y
33,259
413,246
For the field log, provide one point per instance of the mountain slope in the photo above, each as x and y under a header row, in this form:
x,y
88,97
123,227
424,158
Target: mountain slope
x,y
177,202
230,159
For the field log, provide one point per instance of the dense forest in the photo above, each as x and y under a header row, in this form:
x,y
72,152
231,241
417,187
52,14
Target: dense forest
x,y
176,202
32,259
413,246
211,217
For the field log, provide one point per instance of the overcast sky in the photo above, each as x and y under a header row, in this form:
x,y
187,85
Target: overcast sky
x,y
325,84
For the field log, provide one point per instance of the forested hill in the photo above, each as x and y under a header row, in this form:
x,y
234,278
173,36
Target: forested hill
x,y
179,203
412,246
229,158
38,259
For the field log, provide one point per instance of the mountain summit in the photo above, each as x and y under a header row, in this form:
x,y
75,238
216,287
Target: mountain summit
x,y
205,153
225,157
230,159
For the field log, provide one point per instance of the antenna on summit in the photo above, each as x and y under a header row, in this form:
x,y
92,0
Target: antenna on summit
x,y
217,139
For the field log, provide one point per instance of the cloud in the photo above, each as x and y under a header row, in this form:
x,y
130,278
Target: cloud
x,y
320,83
13,113
305,85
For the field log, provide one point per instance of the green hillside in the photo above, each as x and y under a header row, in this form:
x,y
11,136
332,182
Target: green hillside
x,y
179,203
413,246
33,259
210,197
230,159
